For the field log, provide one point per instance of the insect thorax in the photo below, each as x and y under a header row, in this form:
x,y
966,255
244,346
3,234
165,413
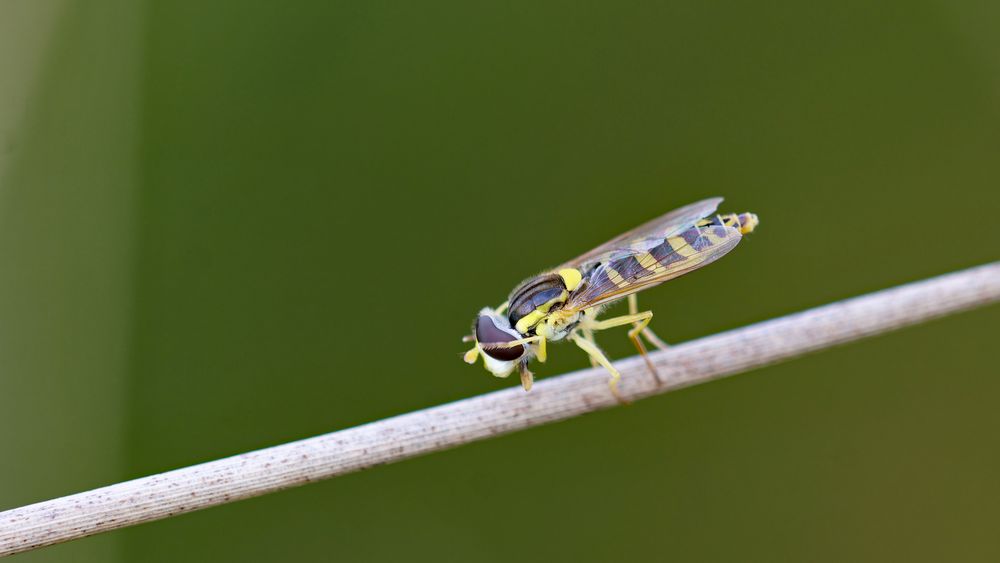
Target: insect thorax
x,y
539,298
558,324
533,299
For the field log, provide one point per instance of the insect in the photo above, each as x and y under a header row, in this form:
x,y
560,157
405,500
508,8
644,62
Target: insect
x,y
564,302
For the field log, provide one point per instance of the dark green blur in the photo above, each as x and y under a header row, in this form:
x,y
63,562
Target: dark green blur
x,y
226,225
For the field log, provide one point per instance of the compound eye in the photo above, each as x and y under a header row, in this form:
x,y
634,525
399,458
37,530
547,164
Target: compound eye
x,y
490,330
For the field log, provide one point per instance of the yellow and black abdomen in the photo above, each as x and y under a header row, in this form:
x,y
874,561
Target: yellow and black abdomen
x,y
654,260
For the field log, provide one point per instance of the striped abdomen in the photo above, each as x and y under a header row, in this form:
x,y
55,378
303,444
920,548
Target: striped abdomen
x,y
654,260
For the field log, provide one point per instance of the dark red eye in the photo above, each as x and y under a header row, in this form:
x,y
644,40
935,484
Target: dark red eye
x,y
489,332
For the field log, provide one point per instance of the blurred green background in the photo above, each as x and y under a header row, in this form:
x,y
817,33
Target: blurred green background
x,y
225,225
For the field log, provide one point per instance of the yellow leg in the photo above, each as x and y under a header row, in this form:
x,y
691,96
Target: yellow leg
x,y
541,353
589,336
647,333
527,378
594,352
503,307
623,320
640,320
471,356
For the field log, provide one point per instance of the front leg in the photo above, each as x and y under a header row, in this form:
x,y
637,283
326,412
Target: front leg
x,y
527,378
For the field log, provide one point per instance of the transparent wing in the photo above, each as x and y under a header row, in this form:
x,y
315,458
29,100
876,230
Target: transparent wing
x,y
662,227
649,261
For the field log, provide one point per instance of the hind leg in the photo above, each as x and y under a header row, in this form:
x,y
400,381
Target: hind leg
x,y
647,333
640,320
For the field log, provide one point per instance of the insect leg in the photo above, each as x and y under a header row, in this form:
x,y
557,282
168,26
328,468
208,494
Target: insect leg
x,y
623,320
640,320
647,333
589,336
471,356
595,353
527,378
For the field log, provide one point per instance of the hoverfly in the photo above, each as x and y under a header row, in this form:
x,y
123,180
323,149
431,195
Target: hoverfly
x,y
564,302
